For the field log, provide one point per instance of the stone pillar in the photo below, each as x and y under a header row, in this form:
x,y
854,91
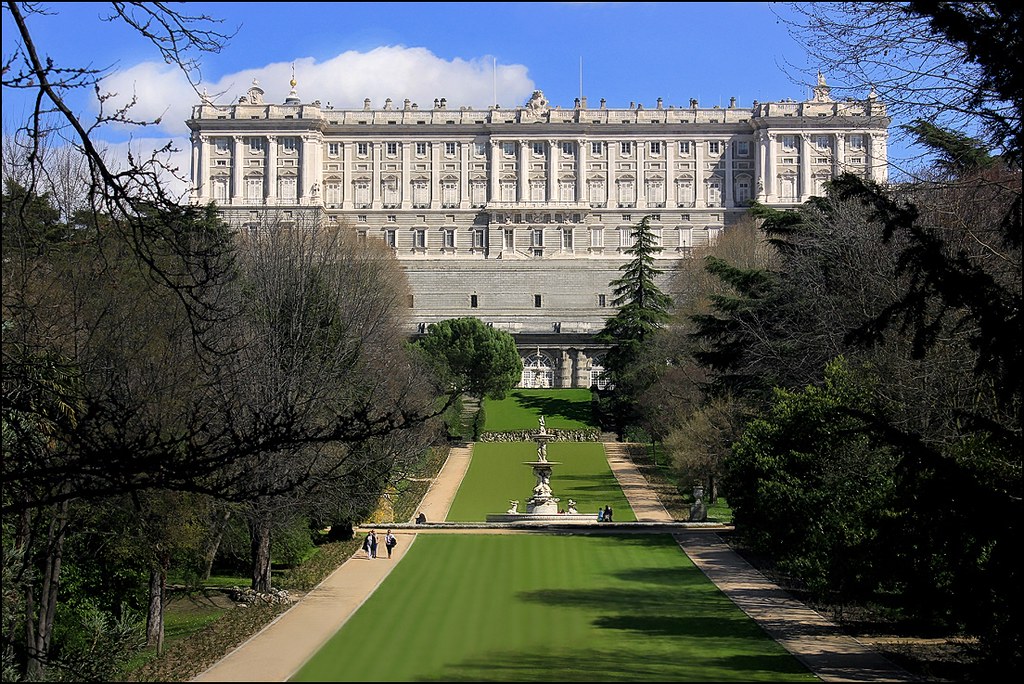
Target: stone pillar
x,y
464,152
554,154
566,369
524,172
641,174
839,158
404,183
582,363
202,190
270,192
237,162
670,173
773,170
494,171
804,188
348,190
761,167
376,189
727,191
700,190
611,192
581,171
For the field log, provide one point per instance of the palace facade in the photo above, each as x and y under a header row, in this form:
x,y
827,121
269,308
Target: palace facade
x,y
521,216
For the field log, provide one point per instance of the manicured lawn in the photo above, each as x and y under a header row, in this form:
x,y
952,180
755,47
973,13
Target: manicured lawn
x,y
497,474
543,607
563,409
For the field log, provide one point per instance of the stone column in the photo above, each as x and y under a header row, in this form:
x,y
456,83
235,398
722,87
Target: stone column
x,y
839,157
670,174
804,179
641,174
700,190
727,191
611,191
404,183
494,171
464,155
348,191
554,154
761,167
237,162
202,189
270,191
524,172
566,370
773,170
581,171
376,192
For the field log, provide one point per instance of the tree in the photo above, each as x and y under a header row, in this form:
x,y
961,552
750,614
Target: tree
x,y
951,64
808,484
473,358
643,310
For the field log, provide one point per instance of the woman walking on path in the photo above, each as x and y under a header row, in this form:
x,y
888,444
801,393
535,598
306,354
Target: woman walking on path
x,y
370,545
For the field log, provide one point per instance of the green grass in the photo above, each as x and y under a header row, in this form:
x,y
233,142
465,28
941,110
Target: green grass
x,y
563,409
549,608
497,474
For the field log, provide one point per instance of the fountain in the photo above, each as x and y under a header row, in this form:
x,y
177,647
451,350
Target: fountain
x,y
543,505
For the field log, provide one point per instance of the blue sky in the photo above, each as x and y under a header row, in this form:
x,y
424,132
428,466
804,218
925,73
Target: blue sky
x,y
467,53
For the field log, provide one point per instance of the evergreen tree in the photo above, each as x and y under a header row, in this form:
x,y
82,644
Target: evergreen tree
x,y
643,310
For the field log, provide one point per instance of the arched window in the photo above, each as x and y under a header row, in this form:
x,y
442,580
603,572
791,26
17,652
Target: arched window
x,y
538,372
597,375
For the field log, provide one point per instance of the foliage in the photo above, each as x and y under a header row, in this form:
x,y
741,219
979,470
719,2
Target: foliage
x,y
479,420
473,358
642,311
809,486
643,308
453,419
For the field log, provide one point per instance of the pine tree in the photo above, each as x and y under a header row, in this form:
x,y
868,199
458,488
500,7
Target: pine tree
x,y
643,309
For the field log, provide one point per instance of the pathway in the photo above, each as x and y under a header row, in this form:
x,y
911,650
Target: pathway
x,y
813,640
280,649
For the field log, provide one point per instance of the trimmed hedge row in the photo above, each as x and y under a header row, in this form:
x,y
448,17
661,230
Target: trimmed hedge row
x,y
588,435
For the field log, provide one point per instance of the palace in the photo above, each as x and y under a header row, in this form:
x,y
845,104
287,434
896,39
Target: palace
x,y
521,216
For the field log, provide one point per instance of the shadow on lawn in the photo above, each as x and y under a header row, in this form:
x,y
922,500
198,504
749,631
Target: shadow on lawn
x,y
682,614
553,406
610,662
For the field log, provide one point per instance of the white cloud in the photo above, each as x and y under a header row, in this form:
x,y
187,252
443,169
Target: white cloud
x,y
393,71
396,72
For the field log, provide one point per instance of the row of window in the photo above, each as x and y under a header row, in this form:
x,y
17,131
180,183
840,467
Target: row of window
x,y
289,145
538,301
535,238
625,192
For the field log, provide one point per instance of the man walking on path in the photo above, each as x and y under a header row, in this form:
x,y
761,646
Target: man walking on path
x,y
389,542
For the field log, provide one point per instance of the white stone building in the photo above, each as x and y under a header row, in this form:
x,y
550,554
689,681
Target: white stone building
x,y
521,216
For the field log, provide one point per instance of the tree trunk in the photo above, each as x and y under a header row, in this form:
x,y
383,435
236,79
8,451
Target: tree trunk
x,y
211,550
155,614
259,532
40,634
712,489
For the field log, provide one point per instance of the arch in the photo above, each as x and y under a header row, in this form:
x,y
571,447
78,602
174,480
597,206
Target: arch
x,y
538,371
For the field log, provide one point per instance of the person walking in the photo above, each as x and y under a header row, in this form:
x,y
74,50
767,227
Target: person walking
x,y
390,542
373,544
368,545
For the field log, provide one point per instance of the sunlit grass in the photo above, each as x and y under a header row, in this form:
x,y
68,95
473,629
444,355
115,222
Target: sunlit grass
x,y
497,475
549,608
563,409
